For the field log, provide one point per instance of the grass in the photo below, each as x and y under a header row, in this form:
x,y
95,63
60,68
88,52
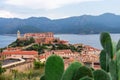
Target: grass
x,y
32,74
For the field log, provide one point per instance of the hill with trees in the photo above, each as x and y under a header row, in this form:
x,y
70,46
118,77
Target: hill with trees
x,y
85,24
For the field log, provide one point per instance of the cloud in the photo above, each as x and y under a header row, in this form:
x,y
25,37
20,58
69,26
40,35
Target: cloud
x,y
44,4
7,14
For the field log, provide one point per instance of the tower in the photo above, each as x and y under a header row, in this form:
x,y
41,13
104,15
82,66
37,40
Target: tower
x,y
18,34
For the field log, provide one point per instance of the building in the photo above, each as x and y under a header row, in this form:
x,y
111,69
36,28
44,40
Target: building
x,y
63,53
41,38
90,50
18,35
19,54
44,38
69,56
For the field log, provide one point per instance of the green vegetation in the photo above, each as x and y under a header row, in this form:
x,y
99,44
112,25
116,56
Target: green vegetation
x,y
54,67
32,74
63,46
1,50
42,47
82,72
38,64
1,69
70,71
110,56
109,61
54,70
22,43
38,47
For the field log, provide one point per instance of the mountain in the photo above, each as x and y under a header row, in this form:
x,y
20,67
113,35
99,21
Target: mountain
x,y
85,24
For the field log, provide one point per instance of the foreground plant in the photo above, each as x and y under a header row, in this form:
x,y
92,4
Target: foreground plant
x,y
110,56
54,70
109,62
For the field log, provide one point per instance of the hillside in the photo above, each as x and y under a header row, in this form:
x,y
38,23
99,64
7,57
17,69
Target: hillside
x,y
85,24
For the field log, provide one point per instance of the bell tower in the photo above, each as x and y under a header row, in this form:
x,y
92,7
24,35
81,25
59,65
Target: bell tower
x,y
18,34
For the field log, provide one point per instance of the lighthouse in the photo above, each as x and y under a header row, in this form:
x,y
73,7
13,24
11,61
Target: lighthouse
x,y
18,34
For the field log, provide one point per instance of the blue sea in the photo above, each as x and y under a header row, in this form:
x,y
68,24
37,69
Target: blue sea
x,y
92,39
6,40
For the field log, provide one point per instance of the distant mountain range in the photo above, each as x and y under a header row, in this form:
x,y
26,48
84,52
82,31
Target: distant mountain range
x,y
85,24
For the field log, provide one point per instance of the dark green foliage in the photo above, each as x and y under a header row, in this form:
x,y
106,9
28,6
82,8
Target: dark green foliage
x,y
70,71
118,45
101,75
118,64
54,68
82,72
104,60
92,69
2,70
42,77
114,48
110,56
86,78
21,43
38,47
1,50
79,48
106,43
113,70
59,47
38,65
72,48
63,46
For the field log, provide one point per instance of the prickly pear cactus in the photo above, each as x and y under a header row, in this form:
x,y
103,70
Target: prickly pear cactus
x,y
104,61
86,78
118,45
54,68
110,56
42,77
106,43
101,75
70,71
82,72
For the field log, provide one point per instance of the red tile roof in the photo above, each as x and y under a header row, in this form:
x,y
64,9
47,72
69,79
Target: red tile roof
x,y
20,53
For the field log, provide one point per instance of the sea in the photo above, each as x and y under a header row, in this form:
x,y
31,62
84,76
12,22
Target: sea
x,y
92,39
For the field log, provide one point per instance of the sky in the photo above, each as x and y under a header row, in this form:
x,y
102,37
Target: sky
x,y
55,9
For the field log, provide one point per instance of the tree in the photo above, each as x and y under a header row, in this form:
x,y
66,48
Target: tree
x,y
31,40
79,48
1,69
1,50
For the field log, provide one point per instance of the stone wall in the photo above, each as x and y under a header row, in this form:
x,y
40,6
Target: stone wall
x,y
22,67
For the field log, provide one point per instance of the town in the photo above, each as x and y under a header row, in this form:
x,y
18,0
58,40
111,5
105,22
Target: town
x,y
21,54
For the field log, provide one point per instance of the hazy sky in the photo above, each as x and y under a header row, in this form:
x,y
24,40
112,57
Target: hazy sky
x,y
57,8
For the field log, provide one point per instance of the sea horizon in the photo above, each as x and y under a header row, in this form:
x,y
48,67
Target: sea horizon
x,y
89,39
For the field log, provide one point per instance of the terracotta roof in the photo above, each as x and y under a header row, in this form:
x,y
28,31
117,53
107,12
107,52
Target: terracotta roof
x,y
20,53
63,41
47,34
89,58
65,51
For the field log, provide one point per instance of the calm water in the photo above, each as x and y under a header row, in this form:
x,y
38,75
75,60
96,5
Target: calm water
x,y
5,40
92,40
